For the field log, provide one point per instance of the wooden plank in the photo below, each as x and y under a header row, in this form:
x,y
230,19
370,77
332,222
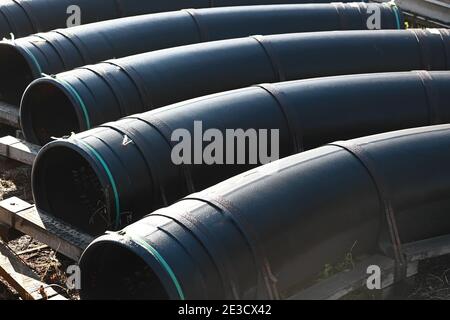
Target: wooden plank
x,y
58,298
24,280
341,284
9,115
427,249
18,150
49,230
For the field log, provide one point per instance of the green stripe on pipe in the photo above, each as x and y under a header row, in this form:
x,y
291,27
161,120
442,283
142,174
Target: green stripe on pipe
x,y
31,55
161,261
396,12
110,177
77,97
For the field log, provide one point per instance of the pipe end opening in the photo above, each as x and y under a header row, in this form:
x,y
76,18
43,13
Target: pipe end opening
x,y
17,73
67,185
48,111
111,271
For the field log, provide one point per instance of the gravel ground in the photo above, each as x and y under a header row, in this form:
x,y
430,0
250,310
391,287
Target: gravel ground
x,y
15,182
49,265
433,280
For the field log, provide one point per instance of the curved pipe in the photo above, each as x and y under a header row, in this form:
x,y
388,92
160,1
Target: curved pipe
x,y
120,171
25,59
259,236
25,17
117,88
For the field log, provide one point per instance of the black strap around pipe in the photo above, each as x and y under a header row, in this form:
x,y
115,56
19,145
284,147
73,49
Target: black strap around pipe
x,y
274,60
227,275
29,12
359,153
258,251
166,132
294,131
203,33
432,95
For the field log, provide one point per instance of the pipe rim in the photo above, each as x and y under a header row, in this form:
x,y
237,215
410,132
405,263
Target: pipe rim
x,y
398,14
76,105
128,242
32,62
41,196
20,66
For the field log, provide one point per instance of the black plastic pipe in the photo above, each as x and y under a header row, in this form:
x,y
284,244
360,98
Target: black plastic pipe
x,y
25,17
107,177
86,97
259,236
26,59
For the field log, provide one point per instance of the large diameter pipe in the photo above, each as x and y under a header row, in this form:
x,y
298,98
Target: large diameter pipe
x,y
25,17
86,97
26,59
107,177
259,236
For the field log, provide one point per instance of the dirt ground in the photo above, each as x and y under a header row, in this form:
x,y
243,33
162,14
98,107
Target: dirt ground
x,y
432,282
45,262
15,182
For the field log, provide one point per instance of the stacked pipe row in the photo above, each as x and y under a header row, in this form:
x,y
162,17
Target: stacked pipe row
x,y
124,182
86,97
25,17
259,236
248,237
26,59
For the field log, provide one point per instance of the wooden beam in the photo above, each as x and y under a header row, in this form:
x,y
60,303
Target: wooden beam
x,y
340,284
9,115
428,248
24,280
18,150
47,229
